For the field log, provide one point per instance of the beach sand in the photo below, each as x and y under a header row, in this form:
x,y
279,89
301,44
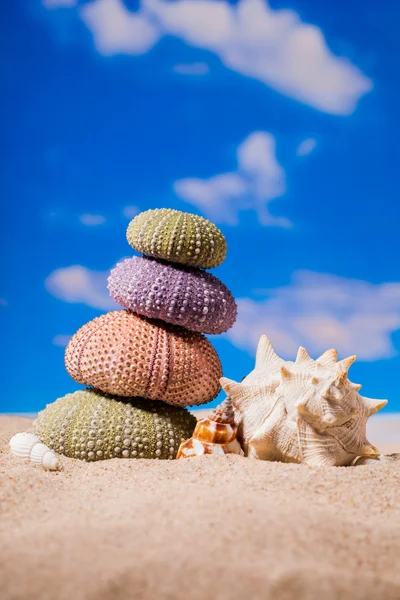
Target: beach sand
x,y
218,528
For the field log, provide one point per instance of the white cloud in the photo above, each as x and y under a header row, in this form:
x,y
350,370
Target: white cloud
x,y
259,178
116,30
61,340
77,284
306,147
272,46
198,68
92,220
320,311
219,198
130,212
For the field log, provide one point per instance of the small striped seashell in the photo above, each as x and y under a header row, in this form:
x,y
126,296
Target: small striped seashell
x,y
216,434
178,237
28,446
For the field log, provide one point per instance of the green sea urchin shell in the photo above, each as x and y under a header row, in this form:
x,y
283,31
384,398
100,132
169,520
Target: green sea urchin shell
x,y
91,425
178,237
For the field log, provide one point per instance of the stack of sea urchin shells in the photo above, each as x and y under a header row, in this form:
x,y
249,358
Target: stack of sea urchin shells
x,y
146,363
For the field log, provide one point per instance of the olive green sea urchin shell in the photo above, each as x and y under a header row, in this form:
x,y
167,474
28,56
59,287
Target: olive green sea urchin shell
x,y
178,237
123,354
93,426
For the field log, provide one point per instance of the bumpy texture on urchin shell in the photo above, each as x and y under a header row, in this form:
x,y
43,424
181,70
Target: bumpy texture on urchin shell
x,y
178,237
216,434
304,411
93,426
179,295
121,353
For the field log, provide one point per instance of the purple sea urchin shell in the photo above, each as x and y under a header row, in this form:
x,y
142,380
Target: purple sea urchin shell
x,y
182,296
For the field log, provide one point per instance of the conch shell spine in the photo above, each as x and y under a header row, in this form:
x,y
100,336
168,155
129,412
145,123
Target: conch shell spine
x,y
29,446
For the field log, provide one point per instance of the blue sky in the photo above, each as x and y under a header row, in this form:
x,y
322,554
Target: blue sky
x,y
278,121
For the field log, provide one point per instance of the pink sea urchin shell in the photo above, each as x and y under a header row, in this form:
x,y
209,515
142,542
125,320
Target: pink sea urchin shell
x,y
123,354
179,295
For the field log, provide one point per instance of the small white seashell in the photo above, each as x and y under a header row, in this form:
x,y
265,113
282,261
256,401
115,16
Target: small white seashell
x,y
29,446
365,460
382,458
51,461
42,455
22,443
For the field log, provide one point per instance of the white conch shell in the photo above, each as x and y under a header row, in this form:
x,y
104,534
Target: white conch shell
x,y
304,411
28,446
216,434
